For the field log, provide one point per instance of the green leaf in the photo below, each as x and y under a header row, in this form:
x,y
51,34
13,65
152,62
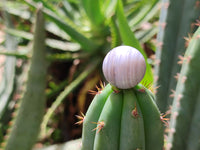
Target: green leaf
x,y
147,11
128,38
108,7
99,11
8,75
93,11
86,43
115,36
55,44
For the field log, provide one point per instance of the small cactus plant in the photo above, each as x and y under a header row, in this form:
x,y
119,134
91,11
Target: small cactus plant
x,y
123,115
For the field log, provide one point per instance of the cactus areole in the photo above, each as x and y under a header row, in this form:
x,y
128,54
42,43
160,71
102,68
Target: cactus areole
x,y
124,117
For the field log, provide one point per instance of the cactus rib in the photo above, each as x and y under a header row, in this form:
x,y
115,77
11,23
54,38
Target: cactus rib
x,y
153,126
131,112
108,138
96,106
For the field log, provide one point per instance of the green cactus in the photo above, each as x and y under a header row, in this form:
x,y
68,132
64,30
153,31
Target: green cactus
x,y
176,22
24,132
126,118
184,123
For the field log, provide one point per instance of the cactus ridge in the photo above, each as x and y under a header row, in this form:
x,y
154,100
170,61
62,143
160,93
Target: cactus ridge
x,y
93,114
186,101
127,119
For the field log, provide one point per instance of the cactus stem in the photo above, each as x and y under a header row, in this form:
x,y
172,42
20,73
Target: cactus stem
x,y
100,125
80,118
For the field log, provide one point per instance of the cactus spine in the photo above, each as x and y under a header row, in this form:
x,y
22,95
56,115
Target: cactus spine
x,y
176,21
26,126
184,123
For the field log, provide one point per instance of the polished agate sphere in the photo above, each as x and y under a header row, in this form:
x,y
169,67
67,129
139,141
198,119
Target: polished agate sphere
x,y
124,67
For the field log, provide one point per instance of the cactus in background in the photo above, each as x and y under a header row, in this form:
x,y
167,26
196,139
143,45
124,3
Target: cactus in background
x,y
125,118
184,123
176,22
26,125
